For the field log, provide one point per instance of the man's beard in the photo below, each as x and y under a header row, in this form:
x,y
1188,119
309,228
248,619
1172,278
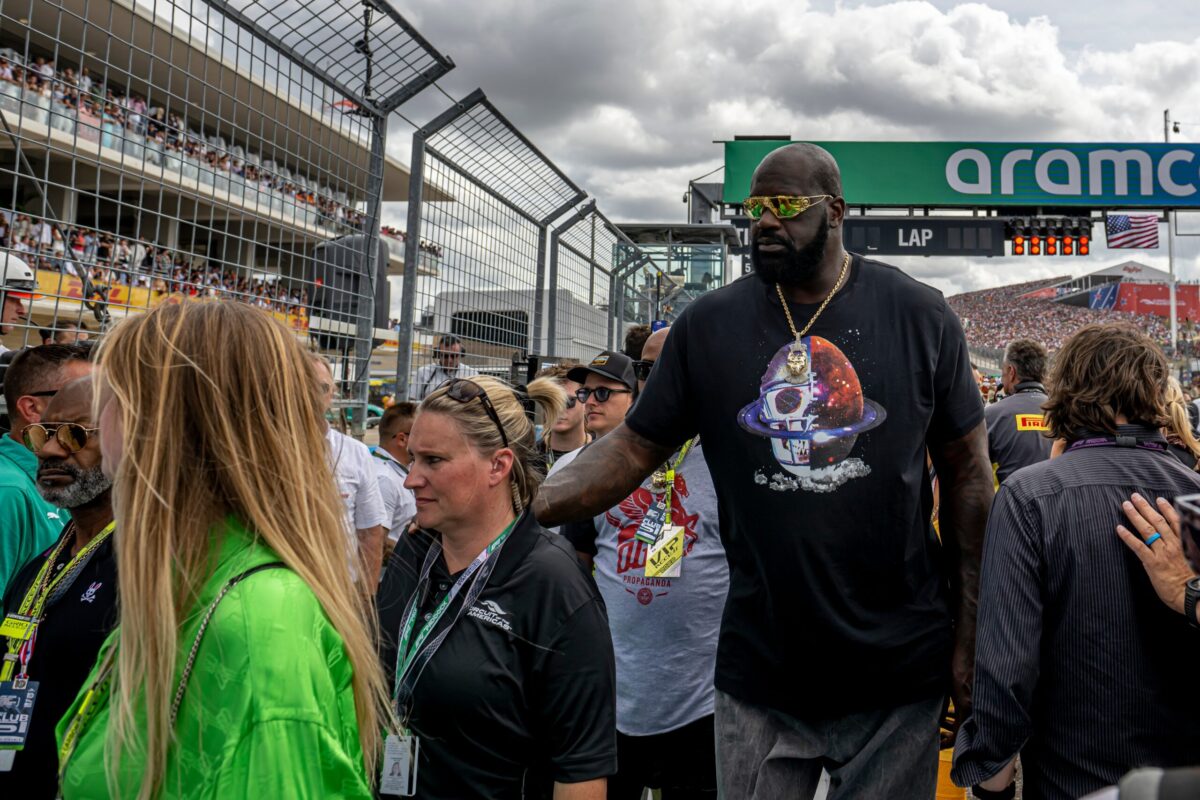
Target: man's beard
x,y
791,267
88,484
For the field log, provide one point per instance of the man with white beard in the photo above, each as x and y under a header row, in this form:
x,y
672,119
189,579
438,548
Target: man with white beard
x,y
62,605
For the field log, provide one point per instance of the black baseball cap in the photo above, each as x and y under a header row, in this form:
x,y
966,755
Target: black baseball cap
x,y
609,364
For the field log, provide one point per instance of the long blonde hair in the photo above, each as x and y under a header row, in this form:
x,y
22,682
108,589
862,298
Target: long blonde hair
x,y
517,408
221,414
1180,428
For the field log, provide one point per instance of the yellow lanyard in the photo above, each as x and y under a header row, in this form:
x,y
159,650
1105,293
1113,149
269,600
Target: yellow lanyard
x,y
43,587
671,480
96,694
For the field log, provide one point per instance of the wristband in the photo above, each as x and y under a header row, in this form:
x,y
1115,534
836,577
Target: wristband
x,y
1007,793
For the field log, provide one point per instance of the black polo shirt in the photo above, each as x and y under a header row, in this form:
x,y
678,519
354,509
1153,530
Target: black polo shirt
x,y
523,690
68,639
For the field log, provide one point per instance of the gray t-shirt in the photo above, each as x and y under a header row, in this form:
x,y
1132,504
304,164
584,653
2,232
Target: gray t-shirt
x,y
664,630
1015,427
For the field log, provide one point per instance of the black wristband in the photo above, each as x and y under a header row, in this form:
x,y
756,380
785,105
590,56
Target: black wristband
x,y
1191,593
1007,793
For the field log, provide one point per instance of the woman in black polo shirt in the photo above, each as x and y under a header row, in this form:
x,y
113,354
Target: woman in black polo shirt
x,y
495,639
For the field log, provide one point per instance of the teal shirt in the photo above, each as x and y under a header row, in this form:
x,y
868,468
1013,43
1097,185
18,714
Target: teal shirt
x,y
269,710
28,524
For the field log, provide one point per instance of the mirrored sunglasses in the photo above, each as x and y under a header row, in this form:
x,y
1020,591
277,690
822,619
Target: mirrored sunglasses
x,y
782,206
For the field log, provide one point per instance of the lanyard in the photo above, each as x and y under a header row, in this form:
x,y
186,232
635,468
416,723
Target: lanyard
x,y
1118,441
670,479
43,589
100,687
407,657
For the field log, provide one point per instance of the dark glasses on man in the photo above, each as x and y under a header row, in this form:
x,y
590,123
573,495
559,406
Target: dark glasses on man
x,y
602,393
782,206
571,401
71,435
641,369
464,391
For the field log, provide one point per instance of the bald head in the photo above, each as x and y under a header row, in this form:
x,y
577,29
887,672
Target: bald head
x,y
72,403
653,349
812,166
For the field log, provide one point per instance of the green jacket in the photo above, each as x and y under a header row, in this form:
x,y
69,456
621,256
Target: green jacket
x,y
28,524
269,710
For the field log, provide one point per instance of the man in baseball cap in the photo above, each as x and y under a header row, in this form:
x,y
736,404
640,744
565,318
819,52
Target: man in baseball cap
x,y
607,394
18,283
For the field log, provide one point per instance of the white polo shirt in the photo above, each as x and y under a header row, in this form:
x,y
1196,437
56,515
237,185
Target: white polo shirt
x,y
398,502
357,482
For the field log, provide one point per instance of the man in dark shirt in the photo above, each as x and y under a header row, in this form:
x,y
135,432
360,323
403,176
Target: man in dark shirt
x,y
79,607
1079,668
1015,424
817,385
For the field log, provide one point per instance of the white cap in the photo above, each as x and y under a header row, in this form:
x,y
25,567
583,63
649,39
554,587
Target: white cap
x,y
17,278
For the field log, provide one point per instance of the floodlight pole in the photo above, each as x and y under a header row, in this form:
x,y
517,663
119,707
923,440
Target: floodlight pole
x,y
1171,249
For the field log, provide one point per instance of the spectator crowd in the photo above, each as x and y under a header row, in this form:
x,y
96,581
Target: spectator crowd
x,y
992,318
130,112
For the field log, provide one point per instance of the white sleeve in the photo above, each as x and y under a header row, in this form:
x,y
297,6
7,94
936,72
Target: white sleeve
x,y
368,502
388,493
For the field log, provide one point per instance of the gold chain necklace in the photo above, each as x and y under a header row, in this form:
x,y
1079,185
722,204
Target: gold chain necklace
x,y
797,360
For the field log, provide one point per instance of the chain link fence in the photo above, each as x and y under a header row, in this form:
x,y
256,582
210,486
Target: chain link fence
x,y
225,151
490,236
587,250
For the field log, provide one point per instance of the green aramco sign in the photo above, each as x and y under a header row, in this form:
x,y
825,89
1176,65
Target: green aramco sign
x,y
1117,175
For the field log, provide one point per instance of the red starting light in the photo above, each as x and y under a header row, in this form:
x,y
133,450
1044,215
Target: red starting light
x,y
1035,245
1068,246
1083,245
1018,245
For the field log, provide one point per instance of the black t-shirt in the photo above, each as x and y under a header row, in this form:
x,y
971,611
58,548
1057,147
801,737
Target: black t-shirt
x,y
523,690
837,601
68,639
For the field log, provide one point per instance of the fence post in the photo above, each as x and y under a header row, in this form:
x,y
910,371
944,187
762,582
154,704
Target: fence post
x,y
412,253
365,328
552,312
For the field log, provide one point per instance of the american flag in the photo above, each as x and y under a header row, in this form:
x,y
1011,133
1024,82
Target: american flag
x,y
1131,231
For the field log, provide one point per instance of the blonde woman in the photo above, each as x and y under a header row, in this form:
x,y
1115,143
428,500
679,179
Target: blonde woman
x,y
242,666
502,660
1181,439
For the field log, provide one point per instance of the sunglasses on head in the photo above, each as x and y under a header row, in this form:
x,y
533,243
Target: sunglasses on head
x,y
782,206
464,391
603,393
641,369
71,435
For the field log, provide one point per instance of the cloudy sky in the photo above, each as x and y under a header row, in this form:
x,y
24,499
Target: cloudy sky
x,y
628,97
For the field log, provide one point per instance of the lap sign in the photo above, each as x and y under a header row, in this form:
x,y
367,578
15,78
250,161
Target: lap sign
x,y
914,237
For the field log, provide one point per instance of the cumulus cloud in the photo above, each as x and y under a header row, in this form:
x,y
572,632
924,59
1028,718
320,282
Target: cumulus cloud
x,y
628,97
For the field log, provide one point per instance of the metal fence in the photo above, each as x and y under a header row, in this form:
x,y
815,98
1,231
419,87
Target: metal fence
x,y
490,234
586,256
155,151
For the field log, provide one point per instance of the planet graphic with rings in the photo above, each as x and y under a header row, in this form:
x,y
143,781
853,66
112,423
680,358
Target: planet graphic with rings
x,y
812,420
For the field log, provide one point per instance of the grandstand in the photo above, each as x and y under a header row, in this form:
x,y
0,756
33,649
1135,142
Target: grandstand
x,y
1051,310
147,153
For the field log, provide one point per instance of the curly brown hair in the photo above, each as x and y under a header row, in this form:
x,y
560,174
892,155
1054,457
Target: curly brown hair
x,y
1102,372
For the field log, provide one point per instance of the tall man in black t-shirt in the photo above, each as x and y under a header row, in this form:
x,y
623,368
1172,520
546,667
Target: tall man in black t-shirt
x,y
847,620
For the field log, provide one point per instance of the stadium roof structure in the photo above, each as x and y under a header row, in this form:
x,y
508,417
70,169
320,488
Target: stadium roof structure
x,y
1076,291
1133,271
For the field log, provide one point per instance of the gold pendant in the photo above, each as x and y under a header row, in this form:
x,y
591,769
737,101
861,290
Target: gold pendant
x,y
659,480
797,364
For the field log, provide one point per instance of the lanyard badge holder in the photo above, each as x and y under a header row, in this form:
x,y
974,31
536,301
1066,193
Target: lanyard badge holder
x,y
665,559
18,694
401,751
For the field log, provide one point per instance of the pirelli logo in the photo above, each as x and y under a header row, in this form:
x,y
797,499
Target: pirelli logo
x,y
1031,422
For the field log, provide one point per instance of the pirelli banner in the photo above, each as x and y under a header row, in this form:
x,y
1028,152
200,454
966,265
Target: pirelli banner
x,y
979,174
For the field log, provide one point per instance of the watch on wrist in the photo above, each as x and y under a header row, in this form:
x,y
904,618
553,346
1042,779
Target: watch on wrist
x,y
1007,793
1191,593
